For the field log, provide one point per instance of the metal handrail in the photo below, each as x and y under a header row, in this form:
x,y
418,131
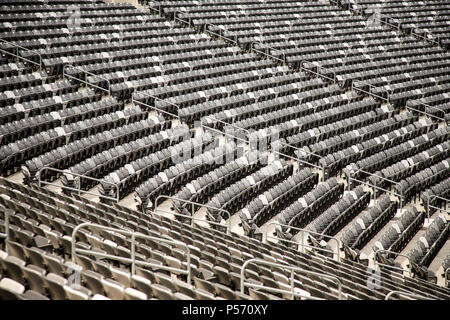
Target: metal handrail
x,y
175,18
78,190
389,266
302,241
374,187
426,113
191,202
134,101
220,34
311,177
446,273
426,38
322,168
228,224
133,260
205,126
293,270
226,124
355,88
158,212
410,295
302,150
158,9
267,51
437,208
20,57
86,73
317,72
387,23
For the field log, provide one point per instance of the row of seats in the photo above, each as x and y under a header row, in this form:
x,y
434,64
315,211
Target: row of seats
x,y
171,180
308,207
237,195
335,162
434,196
202,189
66,154
23,128
339,214
423,179
120,182
109,160
262,209
30,93
358,234
429,245
23,81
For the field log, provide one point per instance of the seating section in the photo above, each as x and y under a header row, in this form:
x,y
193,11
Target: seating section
x,y
308,207
102,163
426,20
344,46
138,171
45,267
327,119
404,168
435,196
340,213
73,152
262,209
169,181
202,189
336,162
397,236
357,235
236,196
429,245
423,179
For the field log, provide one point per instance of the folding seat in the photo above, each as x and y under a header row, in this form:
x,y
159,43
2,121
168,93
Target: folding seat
x,y
113,289
10,289
161,292
55,285
17,250
132,294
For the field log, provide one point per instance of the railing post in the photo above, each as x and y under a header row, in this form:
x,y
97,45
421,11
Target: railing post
x,y
389,266
132,260
447,271
302,238
292,283
292,269
78,189
192,217
302,244
410,295
133,254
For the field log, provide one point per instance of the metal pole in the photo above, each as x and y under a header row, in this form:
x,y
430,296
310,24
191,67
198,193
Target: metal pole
x,y
133,254
6,230
293,269
292,283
